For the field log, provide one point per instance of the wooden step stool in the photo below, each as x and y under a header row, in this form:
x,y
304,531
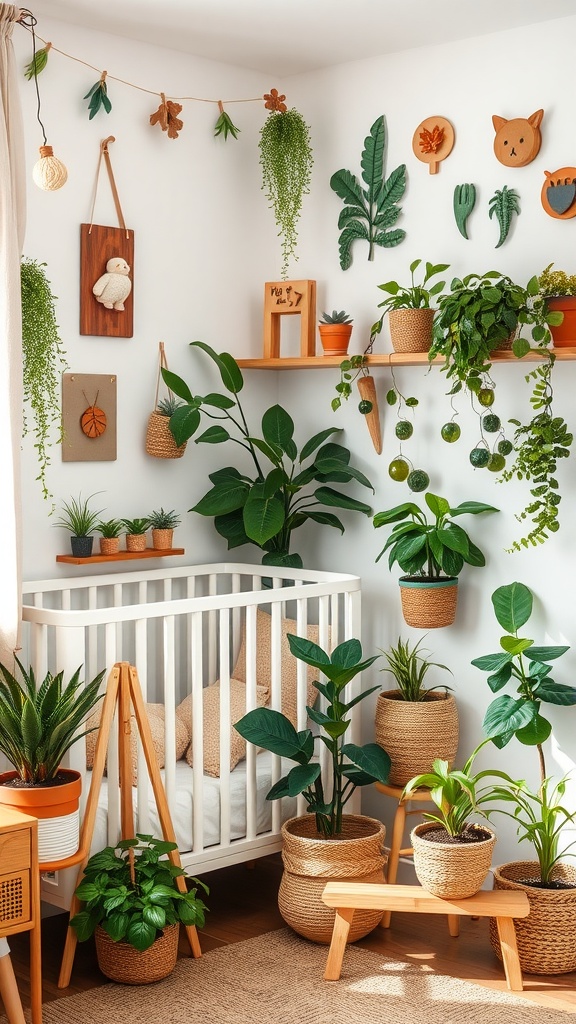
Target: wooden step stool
x,y
346,897
403,810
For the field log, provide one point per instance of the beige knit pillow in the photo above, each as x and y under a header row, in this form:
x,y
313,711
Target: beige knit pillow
x,y
211,723
155,715
289,663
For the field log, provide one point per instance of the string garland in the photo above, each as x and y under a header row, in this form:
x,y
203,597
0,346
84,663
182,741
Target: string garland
x,y
48,172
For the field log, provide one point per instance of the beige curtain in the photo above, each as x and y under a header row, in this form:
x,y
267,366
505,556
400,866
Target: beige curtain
x,y
12,222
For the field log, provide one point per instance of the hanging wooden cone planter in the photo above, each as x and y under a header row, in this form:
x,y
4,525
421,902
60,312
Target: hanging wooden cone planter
x,y
367,389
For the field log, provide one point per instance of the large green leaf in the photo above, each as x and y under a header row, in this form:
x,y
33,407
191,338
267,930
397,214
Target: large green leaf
x,y
316,441
514,645
394,515
213,435
273,731
373,159
231,527
263,514
347,187
536,732
277,427
371,758
184,423
178,386
355,229
218,401
472,508
512,606
301,777
140,934
335,499
492,662
547,653
291,560
229,370
555,693
455,538
332,469
222,498
508,715
325,519
438,506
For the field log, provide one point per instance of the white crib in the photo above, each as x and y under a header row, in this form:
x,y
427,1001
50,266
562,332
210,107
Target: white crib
x,y
182,628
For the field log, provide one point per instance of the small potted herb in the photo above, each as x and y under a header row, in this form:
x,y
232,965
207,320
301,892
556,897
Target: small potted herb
x,y
136,533
163,525
409,308
77,517
109,530
335,329
559,290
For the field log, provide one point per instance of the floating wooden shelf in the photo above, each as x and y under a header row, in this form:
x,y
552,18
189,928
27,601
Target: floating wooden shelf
x,y
385,359
122,556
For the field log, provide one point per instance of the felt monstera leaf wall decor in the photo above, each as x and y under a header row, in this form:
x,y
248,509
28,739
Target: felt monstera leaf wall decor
x,y
517,141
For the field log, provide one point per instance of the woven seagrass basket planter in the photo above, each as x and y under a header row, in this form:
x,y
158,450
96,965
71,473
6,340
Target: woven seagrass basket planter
x,y
109,545
430,604
414,733
411,329
162,539
310,861
159,441
452,871
547,937
119,961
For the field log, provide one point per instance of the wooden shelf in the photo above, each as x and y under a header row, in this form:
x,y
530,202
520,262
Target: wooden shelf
x,y
385,359
122,556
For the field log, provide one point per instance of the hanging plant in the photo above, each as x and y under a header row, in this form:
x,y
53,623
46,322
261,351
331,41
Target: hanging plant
x,y
98,96
43,361
286,161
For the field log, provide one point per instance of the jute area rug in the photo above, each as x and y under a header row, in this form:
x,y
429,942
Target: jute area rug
x,y
277,978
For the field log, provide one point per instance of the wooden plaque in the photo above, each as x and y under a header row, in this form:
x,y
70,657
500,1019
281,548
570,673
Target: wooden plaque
x,y
98,245
79,392
433,141
282,298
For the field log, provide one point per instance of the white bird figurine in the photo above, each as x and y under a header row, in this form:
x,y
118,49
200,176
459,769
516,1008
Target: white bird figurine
x,y
114,286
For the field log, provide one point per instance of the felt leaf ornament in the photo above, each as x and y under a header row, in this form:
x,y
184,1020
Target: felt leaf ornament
x,y
430,141
167,117
93,421
38,62
504,203
225,126
98,96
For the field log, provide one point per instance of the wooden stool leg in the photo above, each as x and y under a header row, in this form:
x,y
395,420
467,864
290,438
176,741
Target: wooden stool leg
x,y
509,947
9,992
454,925
342,923
394,855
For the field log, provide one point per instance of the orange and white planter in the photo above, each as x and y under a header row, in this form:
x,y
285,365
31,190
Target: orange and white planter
x,y
57,809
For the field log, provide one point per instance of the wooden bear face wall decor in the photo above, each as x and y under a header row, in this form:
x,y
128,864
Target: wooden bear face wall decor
x,y
518,141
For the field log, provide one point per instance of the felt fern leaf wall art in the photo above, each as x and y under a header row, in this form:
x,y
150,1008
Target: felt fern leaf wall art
x,y
503,205
370,209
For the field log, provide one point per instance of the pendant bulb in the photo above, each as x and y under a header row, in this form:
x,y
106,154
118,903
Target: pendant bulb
x,y
49,173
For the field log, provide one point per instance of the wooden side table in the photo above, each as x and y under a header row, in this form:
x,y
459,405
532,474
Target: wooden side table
x,y
20,907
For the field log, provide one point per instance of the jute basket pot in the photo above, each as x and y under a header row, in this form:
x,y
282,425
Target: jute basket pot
x,y
452,871
310,861
135,542
109,545
547,937
159,441
411,329
162,539
429,604
414,733
119,961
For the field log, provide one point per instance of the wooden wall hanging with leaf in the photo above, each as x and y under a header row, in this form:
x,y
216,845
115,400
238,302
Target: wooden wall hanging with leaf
x,y
433,141
106,269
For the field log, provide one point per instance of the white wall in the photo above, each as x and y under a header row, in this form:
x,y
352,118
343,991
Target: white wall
x,y
205,243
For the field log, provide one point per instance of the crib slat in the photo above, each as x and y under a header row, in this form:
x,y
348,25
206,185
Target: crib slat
x,y
224,726
197,733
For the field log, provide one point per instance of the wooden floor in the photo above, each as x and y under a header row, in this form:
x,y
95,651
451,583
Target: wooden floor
x,y
242,904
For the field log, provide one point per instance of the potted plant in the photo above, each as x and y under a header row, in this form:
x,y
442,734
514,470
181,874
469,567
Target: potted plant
x,y
159,440
415,724
163,525
335,329
80,520
136,533
432,555
409,308
134,907
559,291
324,843
109,530
265,504
39,722
452,854
43,361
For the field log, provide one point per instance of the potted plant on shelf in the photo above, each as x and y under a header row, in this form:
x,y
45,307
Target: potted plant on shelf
x,y
163,525
415,724
558,289
80,520
109,530
265,504
409,308
39,722
136,533
134,907
324,843
432,554
335,329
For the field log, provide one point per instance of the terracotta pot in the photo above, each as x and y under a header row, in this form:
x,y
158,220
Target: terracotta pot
x,y
310,861
57,810
162,539
429,604
452,871
564,335
414,733
335,338
411,329
135,542
109,545
547,937
81,547
119,961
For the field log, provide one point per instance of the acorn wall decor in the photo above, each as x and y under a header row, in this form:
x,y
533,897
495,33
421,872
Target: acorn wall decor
x,y
517,141
559,193
433,141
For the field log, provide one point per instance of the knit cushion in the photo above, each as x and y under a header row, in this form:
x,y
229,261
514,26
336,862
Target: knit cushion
x,y
211,723
155,715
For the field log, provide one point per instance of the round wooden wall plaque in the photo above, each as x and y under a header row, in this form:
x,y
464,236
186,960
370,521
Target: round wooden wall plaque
x,y
433,141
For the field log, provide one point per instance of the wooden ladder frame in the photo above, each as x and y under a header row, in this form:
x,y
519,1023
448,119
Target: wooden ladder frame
x,y
123,692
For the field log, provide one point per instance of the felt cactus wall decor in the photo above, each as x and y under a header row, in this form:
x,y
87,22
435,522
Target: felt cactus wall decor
x,y
503,205
464,202
517,141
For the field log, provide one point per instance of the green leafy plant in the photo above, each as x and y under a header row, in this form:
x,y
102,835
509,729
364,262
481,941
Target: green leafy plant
x,y
350,765
266,507
409,668
136,527
77,517
336,317
350,369
456,793
527,666
161,520
464,203
130,891
167,406
39,723
431,549
38,62
286,161
413,296
98,96
369,213
504,204
225,126
44,359
109,528
556,282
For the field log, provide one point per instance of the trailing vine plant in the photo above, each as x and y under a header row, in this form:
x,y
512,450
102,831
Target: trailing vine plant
x,y
44,360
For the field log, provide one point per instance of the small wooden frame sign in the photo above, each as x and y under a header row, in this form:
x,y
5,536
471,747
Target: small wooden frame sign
x,y
283,298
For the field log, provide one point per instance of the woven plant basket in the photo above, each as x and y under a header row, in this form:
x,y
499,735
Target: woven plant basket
x,y
547,937
429,605
119,961
135,542
159,441
449,870
310,861
414,733
109,545
411,329
162,539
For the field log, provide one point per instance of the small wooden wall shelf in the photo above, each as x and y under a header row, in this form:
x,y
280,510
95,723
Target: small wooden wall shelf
x,y
385,359
122,556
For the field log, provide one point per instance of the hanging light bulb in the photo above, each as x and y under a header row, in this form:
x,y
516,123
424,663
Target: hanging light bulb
x,y
49,173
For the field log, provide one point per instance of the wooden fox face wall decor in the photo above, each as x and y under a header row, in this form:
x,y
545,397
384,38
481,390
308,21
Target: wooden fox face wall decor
x,y
518,141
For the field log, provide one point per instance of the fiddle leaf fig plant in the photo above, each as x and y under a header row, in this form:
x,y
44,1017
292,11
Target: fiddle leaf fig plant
x,y
286,486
